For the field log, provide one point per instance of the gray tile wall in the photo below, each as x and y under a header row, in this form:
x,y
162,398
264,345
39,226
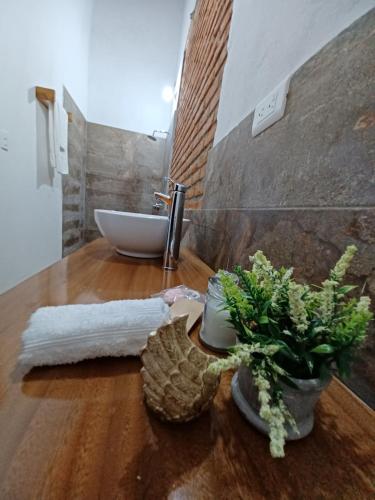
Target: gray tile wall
x,y
73,185
305,188
123,170
109,168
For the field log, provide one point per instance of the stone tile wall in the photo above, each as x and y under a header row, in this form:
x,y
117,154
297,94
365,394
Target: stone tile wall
x,y
109,168
124,169
305,188
73,185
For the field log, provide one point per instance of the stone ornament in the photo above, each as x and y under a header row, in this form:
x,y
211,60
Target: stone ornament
x,y
177,385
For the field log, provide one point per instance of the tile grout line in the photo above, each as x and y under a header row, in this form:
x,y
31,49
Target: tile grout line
x,y
273,209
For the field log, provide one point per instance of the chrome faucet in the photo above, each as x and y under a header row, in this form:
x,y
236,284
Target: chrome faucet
x,y
175,202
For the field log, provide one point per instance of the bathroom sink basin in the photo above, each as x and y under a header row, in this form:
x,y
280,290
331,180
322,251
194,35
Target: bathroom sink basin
x,y
136,235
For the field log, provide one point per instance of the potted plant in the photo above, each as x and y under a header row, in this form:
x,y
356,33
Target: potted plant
x,y
291,338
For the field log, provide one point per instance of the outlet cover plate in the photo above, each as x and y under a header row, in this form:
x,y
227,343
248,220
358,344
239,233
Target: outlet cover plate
x,y
271,108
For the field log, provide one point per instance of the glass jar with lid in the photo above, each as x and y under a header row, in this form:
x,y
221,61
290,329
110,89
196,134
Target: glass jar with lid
x,y
216,332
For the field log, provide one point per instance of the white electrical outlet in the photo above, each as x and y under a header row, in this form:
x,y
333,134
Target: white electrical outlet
x,y
3,140
271,108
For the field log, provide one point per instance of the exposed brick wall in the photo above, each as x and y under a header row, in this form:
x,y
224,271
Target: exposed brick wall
x,y
205,56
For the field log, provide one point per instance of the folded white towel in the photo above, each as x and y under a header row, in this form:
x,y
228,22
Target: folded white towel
x,y
68,334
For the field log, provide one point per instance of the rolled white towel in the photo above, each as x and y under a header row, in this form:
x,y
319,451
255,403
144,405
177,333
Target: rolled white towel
x,y
68,334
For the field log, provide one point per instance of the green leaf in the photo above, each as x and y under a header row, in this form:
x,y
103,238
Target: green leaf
x,y
346,289
263,320
266,306
343,363
288,333
286,350
316,331
309,361
323,349
262,339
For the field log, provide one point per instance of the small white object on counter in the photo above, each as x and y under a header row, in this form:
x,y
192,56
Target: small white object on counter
x,y
68,334
216,332
180,292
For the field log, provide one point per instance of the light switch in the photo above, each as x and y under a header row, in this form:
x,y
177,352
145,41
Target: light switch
x,y
271,108
3,140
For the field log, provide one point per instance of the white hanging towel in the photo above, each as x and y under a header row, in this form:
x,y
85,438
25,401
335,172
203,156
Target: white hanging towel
x,y
60,119
51,135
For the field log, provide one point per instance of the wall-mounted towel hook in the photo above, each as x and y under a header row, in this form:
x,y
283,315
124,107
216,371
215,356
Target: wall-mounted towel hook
x,y
45,95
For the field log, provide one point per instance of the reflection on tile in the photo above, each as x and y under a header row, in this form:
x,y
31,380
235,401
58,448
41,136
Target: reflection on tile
x,y
310,240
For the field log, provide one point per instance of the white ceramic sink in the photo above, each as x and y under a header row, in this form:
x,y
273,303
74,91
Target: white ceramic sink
x,y
136,235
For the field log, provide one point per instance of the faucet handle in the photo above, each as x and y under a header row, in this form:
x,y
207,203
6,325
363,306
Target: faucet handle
x,y
178,186
171,181
163,197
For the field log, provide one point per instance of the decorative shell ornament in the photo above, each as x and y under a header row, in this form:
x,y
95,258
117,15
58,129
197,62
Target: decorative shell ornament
x,y
177,385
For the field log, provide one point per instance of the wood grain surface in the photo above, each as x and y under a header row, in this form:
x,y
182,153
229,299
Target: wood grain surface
x,y
83,432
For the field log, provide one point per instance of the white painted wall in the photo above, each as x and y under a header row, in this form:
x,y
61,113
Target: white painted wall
x,y
134,55
185,26
44,42
269,41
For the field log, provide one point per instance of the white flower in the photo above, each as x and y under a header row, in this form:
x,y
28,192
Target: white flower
x,y
278,433
280,286
274,414
339,271
363,304
297,307
327,302
260,261
242,355
262,269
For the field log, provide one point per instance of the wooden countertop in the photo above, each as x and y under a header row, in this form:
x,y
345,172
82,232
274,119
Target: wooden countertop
x,y
83,432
